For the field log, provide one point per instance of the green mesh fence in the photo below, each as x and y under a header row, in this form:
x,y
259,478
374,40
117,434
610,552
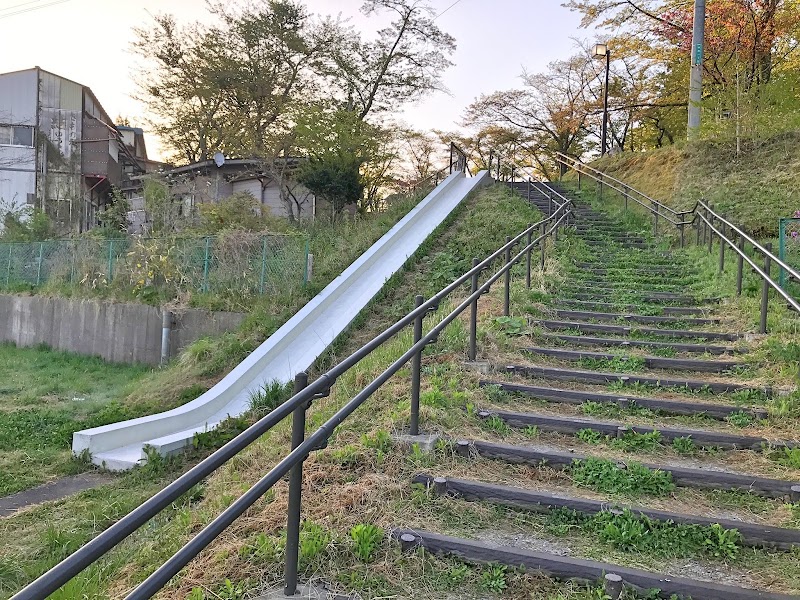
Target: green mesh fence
x,y
240,263
789,251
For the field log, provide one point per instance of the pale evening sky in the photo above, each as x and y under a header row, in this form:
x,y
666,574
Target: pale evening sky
x,y
88,41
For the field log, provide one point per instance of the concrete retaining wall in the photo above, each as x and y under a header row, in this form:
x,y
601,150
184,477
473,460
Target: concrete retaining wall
x,y
128,333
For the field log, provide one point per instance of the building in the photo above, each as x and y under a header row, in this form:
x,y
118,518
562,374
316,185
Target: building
x,y
60,151
211,181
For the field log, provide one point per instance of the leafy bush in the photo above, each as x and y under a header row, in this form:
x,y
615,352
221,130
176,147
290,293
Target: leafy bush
x,y
366,538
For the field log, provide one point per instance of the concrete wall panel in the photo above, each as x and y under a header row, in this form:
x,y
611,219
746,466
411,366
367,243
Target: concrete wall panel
x,y
126,333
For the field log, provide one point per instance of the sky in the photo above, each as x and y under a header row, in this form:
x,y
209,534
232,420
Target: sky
x,y
88,41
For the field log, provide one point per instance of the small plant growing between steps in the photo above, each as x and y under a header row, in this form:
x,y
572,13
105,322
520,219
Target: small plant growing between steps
x,y
493,578
632,441
366,539
788,457
497,425
740,419
635,480
511,326
314,539
589,436
684,445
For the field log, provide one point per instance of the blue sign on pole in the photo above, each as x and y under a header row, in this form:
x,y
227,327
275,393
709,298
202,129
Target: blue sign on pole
x,y
698,54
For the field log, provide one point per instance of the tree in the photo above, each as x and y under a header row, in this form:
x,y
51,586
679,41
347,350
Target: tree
x,y
403,64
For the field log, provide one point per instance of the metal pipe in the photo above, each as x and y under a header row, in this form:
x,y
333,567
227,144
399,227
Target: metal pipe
x,y
295,492
166,329
473,317
416,370
710,232
507,286
765,291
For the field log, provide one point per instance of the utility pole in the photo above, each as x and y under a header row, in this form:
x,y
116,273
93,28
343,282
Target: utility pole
x,y
696,77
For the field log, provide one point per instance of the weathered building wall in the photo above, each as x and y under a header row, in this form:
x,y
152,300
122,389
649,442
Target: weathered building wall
x,y
129,333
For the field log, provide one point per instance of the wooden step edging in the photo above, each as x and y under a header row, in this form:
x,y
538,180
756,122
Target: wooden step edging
x,y
604,306
753,534
571,425
681,476
653,362
600,377
622,330
631,318
671,407
634,343
567,568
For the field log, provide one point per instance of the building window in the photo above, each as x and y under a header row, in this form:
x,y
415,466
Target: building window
x,y
16,135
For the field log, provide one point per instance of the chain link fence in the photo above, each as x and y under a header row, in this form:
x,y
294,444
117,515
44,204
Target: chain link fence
x,y
236,263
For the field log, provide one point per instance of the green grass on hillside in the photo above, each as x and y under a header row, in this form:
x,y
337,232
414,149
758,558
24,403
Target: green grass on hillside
x,y
45,396
754,189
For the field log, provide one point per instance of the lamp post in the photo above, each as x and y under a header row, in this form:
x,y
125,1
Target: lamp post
x,y
602,51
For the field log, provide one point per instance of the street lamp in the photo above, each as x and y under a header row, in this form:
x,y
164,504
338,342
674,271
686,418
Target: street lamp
x,y
602,51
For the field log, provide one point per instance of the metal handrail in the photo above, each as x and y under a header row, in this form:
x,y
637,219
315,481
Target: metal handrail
x,y
514,166
297,405
459,163
703,216
565,160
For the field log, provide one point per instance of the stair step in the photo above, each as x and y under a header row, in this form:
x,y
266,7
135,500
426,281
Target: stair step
x,y
609,306
653,362
753,534
599,377
600,341
568,568
681,476
632,317
572,425
622,330
670,407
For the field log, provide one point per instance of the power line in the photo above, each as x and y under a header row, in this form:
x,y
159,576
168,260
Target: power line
x,y
32,8
446,9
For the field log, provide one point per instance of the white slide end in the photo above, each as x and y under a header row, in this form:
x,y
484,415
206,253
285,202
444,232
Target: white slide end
x,y
290,350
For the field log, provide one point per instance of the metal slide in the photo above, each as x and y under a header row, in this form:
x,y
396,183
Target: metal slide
x,y
291,349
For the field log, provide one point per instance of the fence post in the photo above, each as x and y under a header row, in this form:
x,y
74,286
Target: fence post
x,y
528,257
39,266
473,316
110,261
740,268
723,231
264,266
8,266
542,232
507,287
765,290
308,264
295,492
683,235
416,370
205,264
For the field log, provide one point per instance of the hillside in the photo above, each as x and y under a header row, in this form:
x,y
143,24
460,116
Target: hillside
x,y
755,188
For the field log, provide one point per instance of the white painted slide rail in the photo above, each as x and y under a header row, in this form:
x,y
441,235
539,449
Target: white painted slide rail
x,y
290,350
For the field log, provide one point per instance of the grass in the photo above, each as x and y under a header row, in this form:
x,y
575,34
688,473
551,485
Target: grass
x,y
47,395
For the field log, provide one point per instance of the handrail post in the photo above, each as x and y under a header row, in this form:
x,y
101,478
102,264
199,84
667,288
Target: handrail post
x,y
295,492
683,234
655,219
740,267
507,286
416,369
528,257
765,290
600,181
473,316
710,232
542,242
698,223
579,180
723,231
530,185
